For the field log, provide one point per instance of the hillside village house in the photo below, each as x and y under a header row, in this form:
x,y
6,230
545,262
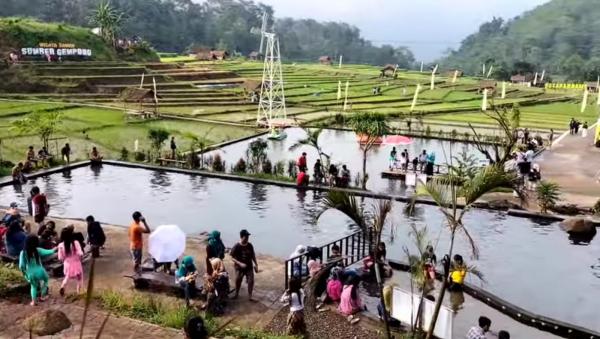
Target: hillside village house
x,y
520,79
490,85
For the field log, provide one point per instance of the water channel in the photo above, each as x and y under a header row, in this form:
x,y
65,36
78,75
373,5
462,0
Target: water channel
x,y
530,264
343,148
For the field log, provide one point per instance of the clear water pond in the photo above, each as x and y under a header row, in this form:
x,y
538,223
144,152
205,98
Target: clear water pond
x,y
529,264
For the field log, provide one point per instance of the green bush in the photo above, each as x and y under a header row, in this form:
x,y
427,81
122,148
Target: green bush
x,y
240,166
428,131
279,168
218,165
124,154
139,156
267,167
9,275
596,207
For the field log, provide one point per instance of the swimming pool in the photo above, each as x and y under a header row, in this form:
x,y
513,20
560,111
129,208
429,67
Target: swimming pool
x,y
529,264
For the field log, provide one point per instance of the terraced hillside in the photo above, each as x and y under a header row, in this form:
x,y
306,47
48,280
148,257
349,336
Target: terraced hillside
x,y
196,97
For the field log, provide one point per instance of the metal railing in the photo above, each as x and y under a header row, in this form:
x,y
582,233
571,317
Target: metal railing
x,y
353,248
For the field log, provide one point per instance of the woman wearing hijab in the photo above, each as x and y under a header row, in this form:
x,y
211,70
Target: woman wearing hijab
x,y
30,263
216,286
214,249
186,277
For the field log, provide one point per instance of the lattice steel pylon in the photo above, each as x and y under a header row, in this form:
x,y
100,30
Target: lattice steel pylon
x,y
271,106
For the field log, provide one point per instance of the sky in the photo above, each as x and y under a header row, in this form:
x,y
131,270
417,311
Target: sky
x,y
427,27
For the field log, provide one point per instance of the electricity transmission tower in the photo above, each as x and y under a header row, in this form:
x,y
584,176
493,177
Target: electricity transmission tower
x,y
271,106
263,30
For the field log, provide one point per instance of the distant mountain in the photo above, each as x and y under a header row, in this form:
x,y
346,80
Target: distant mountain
x,y
562,37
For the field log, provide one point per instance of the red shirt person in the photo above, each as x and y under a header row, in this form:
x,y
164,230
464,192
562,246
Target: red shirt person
x,y
302,162
39,205
302,179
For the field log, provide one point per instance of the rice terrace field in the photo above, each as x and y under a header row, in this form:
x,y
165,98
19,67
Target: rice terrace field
x,y
209,100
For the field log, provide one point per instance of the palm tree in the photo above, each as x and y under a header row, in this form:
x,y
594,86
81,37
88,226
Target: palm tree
x,y
547,195
447,195
370,127
108,19
373,220
198,143
312,140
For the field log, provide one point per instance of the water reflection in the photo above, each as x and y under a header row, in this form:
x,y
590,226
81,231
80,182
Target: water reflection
x,y
160,180
96,169
280,218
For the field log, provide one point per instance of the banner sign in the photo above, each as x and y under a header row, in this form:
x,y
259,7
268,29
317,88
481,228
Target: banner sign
x,y
553,85
59,49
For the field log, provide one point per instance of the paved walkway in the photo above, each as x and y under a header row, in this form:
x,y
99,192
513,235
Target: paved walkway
x,y
574,164
13,315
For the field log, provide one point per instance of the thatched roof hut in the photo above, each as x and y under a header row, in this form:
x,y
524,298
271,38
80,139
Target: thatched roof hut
x,y
252,86
521,79
325,60
450,74
135,94
219,55
490,85
254,55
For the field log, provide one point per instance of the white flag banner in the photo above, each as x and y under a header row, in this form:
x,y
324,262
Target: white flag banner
x,y
489,73
584,101
432,87
415,97
404,309
346,96
455,76
339,92
503,90
484,101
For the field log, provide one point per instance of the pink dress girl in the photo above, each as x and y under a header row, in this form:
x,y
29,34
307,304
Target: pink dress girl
x,y
348,304
72,263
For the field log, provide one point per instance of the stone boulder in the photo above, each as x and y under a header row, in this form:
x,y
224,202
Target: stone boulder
x,y
499,204
47,322
580,230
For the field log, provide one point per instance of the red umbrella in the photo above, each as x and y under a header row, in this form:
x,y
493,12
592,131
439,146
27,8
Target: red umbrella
x,y
396,140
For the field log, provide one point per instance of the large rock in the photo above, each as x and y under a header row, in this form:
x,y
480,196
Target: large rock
x,y
47,322
580,230
578,226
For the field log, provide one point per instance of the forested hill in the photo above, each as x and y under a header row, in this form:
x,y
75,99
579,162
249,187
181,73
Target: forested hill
x,y
562,36
179,25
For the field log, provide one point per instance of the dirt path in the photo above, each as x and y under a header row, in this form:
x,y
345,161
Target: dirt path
x,y
115,264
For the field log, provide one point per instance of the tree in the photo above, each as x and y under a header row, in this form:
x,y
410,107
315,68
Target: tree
x,y
41,124
446,194
108,19
370,128
256,154
312,140
157,137
374,220
501,151
198,144
547,195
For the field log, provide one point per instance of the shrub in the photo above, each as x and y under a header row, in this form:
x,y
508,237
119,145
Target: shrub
x,y
428,131
124,154
454,134
279,168
467,136
267,167
139,156
596,207
547,195
339,119
218,165
240,166
292,169
157,137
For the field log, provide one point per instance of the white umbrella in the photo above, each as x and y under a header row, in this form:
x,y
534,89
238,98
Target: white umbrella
x,y
166,243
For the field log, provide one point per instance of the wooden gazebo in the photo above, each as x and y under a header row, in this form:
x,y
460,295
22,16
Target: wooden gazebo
x,y
143,97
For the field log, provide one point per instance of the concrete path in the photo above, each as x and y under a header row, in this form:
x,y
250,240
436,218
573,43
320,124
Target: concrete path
x,y
574,163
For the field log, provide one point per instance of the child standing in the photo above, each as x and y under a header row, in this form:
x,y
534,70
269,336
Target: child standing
x,y
295,297
30,263
70,253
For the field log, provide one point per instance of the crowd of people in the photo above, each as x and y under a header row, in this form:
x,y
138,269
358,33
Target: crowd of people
x,y
41,159
575,126
32,249
335,177
424,162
